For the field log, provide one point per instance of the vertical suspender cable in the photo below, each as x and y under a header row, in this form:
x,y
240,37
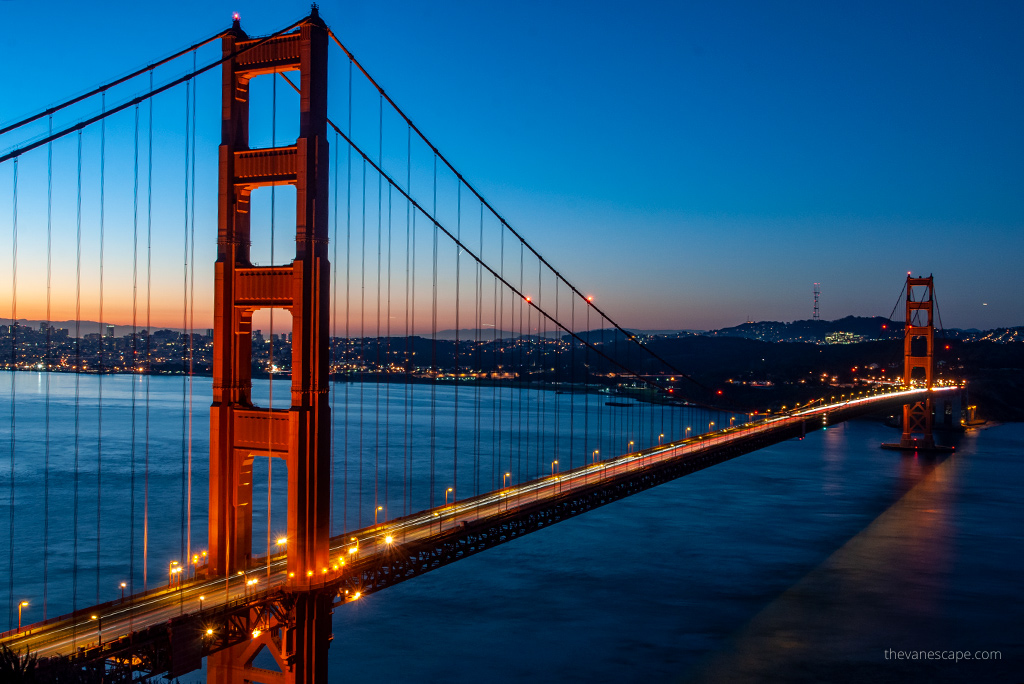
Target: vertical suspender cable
x,y
476,367
406,422
387,365
103,340
377,345
184,349
149,330
49,327
433,349
572,383
458,273
521,344
134,364
78,377
348,302
333,360
191,313
362,344
411,314
14,397
270,360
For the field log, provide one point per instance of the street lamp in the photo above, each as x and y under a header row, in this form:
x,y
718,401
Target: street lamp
x,y
594,455
688,431
123,585
23,604
505,477
172,569
661,437
201,599
553,464
99,628
446,493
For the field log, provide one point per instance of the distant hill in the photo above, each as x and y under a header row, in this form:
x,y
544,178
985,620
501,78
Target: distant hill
x,y
873,328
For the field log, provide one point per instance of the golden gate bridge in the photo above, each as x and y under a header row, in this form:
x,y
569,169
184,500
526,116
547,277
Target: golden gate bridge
x,y
388,236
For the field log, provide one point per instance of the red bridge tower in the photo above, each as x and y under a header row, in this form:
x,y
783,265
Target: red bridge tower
x,y
240,430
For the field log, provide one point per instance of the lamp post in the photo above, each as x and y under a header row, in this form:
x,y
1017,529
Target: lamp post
x,y
123,585
505,477
201,599
281,541
23,604
661,437
99,628
446,493
553,464
172,570
377,510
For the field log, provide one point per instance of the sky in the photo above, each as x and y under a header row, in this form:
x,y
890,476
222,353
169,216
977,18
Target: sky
x,y
690,165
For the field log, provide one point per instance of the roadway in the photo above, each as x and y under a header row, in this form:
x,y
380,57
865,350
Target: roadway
x,y
86,629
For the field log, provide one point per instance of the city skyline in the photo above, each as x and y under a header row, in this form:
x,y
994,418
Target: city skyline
x,y
746,155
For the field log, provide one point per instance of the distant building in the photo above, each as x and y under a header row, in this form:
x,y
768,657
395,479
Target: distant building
x,y
843,338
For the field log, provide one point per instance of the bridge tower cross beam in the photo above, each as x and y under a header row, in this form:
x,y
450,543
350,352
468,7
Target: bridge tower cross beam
x,y
918,417
240,430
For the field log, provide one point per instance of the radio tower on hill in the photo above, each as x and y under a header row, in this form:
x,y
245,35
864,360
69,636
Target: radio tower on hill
x,y
817,295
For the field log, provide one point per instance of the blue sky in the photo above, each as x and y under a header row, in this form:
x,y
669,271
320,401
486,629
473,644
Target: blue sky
x,y
690,164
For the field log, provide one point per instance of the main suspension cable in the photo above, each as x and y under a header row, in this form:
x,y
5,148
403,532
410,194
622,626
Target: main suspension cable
x,y
50,111
501,219
18,151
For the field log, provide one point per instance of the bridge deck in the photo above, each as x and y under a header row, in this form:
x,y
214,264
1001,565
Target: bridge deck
x,y
375,547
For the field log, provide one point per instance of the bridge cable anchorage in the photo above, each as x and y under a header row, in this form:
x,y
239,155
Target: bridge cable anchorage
x,y
501,219
50,111
78,127
518,291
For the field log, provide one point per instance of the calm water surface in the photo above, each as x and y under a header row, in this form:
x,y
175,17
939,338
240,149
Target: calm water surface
x,y
802,562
